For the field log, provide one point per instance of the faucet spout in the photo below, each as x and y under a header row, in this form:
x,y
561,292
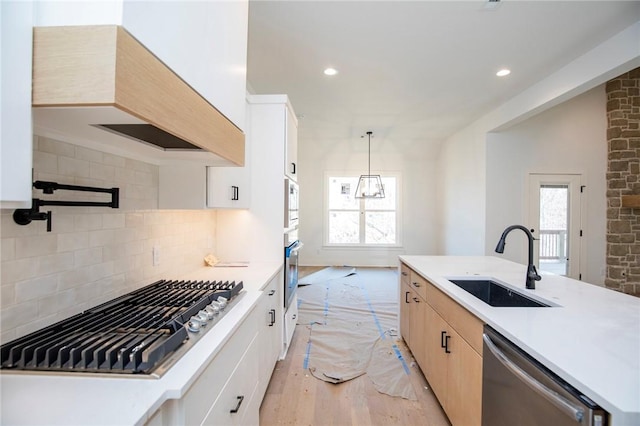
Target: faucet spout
x,y
532,273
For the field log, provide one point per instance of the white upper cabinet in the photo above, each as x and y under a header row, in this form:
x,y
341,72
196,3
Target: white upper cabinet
x,y
16,140
291,141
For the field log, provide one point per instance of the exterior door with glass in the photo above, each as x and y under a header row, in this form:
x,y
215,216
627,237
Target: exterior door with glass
x,y
555,217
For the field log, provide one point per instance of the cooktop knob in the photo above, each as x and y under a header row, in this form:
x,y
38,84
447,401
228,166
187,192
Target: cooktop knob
x,y
222,301
212,310
194,325
206,315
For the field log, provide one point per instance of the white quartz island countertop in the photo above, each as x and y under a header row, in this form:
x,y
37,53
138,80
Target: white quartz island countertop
x,y
591,339
92,399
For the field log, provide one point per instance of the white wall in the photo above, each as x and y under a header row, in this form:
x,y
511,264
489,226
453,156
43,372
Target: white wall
x,y
461,193
567,139
415,162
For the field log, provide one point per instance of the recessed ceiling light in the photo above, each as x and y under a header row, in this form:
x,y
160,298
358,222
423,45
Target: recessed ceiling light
x,y
503,72
330,71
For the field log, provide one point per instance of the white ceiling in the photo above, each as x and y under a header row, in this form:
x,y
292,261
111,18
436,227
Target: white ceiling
x,y
414,71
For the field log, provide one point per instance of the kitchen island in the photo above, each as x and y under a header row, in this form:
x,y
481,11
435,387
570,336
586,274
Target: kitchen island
x,y
102,399
591,339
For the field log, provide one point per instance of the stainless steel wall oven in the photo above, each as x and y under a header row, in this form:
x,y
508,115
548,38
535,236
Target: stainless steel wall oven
x,y
291,253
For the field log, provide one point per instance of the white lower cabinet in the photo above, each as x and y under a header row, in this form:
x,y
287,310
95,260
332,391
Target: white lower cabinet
x,y
290,320
271,332
231,388
235,401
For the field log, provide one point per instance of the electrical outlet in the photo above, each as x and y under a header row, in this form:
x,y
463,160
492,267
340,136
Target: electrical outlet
x,y
156,255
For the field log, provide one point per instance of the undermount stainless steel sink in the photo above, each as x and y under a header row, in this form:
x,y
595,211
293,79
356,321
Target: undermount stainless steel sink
x,y
495,294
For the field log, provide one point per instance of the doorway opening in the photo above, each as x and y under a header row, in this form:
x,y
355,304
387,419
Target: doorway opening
x,y
555,216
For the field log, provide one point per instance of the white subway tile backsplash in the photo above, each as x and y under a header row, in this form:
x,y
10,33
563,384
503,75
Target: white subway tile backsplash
x,y
36,288
36,245
89,155
72,168
62,149
93,254
56,302
7,249
86,257
18,314
73,241
87,222
45,162
101,237
102,172
114,160
19,269
113,220
7,295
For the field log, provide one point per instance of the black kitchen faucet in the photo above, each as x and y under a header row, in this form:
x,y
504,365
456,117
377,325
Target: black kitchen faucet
x,y
532,273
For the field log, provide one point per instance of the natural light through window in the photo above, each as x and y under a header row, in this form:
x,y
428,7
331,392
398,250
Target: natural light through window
x,y
352,221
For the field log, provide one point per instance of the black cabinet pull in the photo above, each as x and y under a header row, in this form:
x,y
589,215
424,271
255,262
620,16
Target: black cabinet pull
x,y
235,410
415,299
404,274
446,344
442,334
272,292
406,297
272,314
293,170
415,284
294,316
236,193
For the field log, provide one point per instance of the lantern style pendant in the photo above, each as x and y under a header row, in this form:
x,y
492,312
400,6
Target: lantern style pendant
x,y
369,186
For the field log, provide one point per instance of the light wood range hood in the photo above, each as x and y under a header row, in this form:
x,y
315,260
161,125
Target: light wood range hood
x,y
98,86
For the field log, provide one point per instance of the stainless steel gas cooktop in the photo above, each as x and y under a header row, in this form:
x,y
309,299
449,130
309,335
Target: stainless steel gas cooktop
x,y
138,333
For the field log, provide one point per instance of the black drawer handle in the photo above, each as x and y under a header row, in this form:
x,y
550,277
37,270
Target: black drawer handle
x,y
406,297
272,292
404,274
293,168
236,193
446,344
294,316
272,314
415,299
235,410
442,334
415,284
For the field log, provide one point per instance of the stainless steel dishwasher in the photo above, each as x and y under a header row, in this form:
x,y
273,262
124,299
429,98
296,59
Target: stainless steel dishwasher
x,y
518,390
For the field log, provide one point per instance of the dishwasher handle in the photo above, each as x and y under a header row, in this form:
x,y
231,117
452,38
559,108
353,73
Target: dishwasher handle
x,y
562,403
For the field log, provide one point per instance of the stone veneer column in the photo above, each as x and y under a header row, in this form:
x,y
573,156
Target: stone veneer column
x,y
623,178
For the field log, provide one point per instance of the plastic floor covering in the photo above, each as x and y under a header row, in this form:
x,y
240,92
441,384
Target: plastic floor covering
x,y
353,319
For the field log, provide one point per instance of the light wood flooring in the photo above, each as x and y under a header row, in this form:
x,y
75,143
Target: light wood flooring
x,y
295,397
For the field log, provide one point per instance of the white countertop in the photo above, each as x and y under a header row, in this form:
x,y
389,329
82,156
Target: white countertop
x,y
84,399
591,340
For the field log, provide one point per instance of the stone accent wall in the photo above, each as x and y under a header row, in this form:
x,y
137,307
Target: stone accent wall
x,y
623,178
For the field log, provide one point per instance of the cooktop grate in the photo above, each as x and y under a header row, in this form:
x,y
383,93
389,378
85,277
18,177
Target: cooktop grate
x,y
133,333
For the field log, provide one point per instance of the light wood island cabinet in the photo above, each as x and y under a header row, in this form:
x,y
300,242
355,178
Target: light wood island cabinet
x,y
446,342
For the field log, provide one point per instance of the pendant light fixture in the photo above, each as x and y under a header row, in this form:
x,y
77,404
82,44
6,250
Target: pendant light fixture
x,y
369,186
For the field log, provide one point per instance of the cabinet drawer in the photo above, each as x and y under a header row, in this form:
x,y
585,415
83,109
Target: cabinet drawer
x,y
203,393
419,284
405,274
236,398
466,324
290,320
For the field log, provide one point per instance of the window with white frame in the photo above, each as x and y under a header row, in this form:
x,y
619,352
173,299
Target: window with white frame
x,y
361,221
